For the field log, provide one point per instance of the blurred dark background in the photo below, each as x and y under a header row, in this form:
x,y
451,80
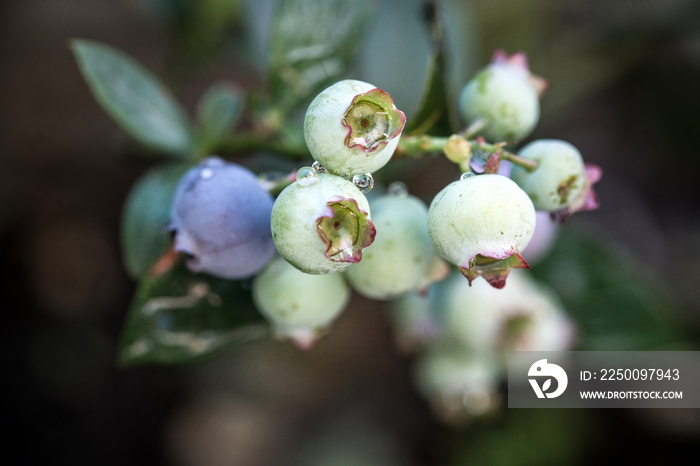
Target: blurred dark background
x,y
625,90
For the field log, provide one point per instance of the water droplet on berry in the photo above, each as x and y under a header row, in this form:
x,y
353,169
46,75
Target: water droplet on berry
x,y
363,181
466,175
397,188
306,176
206,173
318,167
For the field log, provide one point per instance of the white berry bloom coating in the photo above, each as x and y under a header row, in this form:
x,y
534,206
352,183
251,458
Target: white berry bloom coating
x,y
505,98
401,258
480,218
524,316
220,217
321,227
352,127
299,305
559,178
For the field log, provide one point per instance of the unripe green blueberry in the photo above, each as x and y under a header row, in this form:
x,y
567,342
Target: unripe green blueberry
x,y
353,127
320,225
413,321
298,305
402,258
481,223
505,98
456,381
525,316
558,180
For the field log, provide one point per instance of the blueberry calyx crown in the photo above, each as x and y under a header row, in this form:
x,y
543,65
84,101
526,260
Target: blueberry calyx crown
x,y
372,121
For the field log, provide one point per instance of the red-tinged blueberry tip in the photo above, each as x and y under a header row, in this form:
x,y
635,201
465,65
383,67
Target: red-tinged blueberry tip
x,y
495,270
587,200
304,339
540,84
372,121
345,229
518,59
492,164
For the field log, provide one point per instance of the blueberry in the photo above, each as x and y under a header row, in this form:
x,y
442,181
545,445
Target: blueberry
x,y
524,316
353,127
559,178
402,258
321,224
221,218
298,305
459,383
481,224
504,96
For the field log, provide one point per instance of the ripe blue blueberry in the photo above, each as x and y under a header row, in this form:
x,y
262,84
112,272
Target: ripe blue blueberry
x,y
221,218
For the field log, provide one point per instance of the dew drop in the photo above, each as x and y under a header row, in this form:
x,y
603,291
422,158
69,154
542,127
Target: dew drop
x,y
397,188
356,88
364,182
206,173
466,175
318,167
306,176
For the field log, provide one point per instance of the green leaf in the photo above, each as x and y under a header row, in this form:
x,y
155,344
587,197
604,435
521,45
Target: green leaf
x,y
134,98
431,116
616,307
313,44
182,317
218,112
524,437
145,216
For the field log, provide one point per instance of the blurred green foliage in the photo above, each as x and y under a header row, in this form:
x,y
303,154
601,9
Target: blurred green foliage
x,y
134,98
145,217
612,300
180,317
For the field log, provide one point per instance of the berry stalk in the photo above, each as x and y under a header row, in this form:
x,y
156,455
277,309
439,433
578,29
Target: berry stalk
x,y
419,146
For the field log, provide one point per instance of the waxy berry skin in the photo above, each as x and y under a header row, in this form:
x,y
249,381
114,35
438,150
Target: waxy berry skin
x,y
401,257
353,127
558,180
220,217
321,227
503,95
299,305
481,223
524,316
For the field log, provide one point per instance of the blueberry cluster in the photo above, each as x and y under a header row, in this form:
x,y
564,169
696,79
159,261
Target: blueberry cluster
x,y
394,245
